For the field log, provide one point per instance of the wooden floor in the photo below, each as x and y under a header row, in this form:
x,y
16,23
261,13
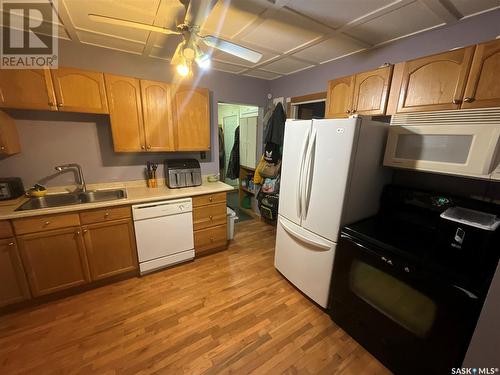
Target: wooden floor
x,y
230,312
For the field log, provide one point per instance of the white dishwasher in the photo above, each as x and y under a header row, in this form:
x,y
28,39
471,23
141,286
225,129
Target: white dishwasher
x,y
164,233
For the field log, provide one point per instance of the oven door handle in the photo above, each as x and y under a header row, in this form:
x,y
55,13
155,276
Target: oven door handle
x,y
466,292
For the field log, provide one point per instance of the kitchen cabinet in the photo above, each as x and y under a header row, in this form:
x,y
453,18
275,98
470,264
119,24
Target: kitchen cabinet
x,y
434,82
5,229
363,93
78,90
27,89
157,112
125,109
339,97
54,260
371,91
13,284
483,85
191,118
209,223
9,138
110,248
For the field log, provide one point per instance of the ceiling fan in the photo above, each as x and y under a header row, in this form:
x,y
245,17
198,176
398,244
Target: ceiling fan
x,y
189,49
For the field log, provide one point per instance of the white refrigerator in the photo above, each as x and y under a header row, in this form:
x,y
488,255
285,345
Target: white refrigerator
x,y
331,175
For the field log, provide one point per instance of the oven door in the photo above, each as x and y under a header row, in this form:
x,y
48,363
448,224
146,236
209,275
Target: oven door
x,y
412,322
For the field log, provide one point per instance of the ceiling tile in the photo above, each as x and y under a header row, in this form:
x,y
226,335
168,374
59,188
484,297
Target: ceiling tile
x,y
165,48
110,42
329,49
400,22
283,32
217,65
468,7
286,65
132,10
262,74
336,13
227,21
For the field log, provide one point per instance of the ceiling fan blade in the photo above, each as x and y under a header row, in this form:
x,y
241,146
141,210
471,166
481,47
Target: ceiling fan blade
x,y
197,12
126,23
232,48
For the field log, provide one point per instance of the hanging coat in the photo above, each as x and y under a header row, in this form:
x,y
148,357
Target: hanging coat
x,y
233,167
275,129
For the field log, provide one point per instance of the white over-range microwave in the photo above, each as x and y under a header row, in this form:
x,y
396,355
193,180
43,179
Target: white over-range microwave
x,y
464,143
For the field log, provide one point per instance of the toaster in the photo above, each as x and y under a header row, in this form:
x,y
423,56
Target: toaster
x,y
11,188
181,173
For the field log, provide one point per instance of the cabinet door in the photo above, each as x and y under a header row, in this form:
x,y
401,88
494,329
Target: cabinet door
x,y
54,260
13,285
436,82
27,88
110,248
339,97
371,91
157,111
483,86
192,119
79,90
9,139
125,109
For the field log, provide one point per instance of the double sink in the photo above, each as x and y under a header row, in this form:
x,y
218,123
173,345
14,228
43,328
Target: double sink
x,y
68,199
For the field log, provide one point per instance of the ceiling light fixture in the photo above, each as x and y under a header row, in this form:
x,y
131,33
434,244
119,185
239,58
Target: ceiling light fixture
x,y
183,69
203,61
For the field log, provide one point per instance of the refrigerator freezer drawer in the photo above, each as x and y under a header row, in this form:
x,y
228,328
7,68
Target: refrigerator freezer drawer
x,y
305,259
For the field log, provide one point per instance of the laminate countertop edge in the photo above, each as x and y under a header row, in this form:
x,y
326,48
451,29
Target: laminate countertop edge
x,y
135,195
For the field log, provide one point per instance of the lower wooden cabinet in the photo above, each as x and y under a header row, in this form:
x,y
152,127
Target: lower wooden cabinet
x,y
54,260
13,284
209,223
110,248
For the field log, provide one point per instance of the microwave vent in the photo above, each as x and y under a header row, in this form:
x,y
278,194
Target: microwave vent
x,y
482,116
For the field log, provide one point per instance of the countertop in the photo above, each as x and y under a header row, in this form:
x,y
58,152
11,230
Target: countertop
x,y
136,193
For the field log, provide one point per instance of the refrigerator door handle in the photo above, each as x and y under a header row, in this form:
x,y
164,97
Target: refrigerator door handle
x,y
322,244
299,187
306,184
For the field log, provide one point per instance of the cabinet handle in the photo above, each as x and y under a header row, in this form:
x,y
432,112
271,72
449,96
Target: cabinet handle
x,y
77,232
468,99
353,111
60,104
106,214
212,239
211,217
348,111
85,231
210,199
11,243
51,104
46,223
149,147
457,101
2,148
143,147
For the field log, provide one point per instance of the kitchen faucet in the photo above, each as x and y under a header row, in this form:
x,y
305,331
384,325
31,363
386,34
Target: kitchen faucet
x,y
81,180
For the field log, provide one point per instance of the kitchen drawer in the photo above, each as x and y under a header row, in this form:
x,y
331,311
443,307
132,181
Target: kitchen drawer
x,y
206,240
209,216
5,229
203,200
105,214
46,222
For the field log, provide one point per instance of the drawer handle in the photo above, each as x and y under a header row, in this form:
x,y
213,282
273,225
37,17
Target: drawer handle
x,y
212,239
77,232
85,231
211,217
46,223
11,243
106,214
210,199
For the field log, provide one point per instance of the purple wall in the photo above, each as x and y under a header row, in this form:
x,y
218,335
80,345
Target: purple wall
x,y
470,31
51,138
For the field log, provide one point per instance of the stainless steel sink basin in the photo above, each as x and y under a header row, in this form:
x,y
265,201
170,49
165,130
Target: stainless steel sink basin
x,y
68,199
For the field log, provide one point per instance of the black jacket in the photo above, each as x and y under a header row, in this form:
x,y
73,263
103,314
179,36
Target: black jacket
x,y
275,129
233,167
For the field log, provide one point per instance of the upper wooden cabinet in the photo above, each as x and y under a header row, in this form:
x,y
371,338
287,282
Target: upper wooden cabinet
x,y
13,284
9,139
364,93
371,90
79,90
434,82
125,109
54,260
192,118
157,111
27,88
483,85
339,97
